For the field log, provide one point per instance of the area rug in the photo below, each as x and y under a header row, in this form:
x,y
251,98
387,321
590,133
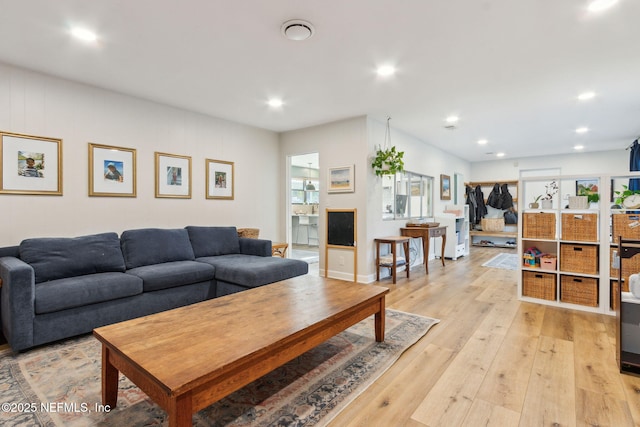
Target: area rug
x,y
504,261
59,384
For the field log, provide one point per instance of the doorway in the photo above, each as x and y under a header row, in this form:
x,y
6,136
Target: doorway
x,y
304,201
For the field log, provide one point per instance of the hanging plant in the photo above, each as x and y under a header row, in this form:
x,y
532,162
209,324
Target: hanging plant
x,y
388,161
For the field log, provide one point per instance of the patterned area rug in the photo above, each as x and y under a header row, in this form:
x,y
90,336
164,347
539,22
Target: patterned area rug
x,y
59,384
504,261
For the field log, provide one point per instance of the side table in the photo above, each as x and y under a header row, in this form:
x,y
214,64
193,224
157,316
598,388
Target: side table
x,y
279,249
427,233
393,241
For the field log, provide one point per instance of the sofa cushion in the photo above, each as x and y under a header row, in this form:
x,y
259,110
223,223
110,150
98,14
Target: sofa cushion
x,y
252,271
212,241
149,246
58,258
62,294
172,274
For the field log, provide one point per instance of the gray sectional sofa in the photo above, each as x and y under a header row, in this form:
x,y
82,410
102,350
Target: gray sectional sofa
x,y
54,288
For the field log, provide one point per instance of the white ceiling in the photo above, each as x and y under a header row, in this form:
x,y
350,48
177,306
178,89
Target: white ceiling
x,y
510,69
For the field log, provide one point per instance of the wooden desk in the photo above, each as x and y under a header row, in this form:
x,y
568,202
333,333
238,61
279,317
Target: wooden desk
x,y
427,233
393,241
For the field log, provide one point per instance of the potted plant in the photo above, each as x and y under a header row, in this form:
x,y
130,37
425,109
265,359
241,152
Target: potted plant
x,y
627,199
535,204
388,161
551,190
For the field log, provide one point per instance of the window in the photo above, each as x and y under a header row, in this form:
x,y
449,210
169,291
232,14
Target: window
x,y
407,195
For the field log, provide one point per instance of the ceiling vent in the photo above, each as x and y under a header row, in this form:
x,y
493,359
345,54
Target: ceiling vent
x,y
297,29
450,127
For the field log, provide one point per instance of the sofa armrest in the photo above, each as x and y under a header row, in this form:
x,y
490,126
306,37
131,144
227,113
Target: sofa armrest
x,y
259,247
18,302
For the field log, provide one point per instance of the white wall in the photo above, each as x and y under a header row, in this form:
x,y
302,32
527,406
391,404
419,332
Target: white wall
x,y
36,104
600,162
340,143
354,141
420,157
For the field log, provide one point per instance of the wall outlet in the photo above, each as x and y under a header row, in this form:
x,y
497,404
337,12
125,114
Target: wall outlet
x,y
341,260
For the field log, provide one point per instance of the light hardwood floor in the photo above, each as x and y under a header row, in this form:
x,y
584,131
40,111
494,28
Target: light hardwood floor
x,y
495,361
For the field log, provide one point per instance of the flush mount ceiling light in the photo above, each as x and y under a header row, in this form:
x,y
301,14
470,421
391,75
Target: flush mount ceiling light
x,y
585,96
297,30
482,142
501,154
84,34
578,147
582,130
452,119
600,5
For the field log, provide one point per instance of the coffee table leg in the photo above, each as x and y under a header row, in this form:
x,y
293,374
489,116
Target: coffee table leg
x,y
109,380
379,321
180,411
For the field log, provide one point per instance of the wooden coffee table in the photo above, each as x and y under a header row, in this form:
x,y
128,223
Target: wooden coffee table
x,y
188,358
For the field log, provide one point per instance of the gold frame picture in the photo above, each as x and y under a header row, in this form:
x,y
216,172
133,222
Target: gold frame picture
x,y
24,170
220,179
112,171
445,187
173,176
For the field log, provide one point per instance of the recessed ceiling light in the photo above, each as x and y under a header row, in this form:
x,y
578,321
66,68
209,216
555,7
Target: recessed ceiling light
x,y
578,147
586,96
452,119
482,141
500,154
386,70
84,34
600,5
582,130
275,103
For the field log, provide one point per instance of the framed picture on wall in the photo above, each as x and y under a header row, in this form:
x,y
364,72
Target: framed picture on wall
x,y
445,187
112,171
220,179
341,180
30,164
173,176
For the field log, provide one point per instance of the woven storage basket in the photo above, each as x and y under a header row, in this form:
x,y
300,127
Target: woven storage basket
x,y
579,290
250,233
492,224
625,225
578,202
539,285
629,266
579,258
580,227
539,225
612,295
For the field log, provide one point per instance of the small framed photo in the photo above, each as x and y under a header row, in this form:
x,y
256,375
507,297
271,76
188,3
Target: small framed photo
x,y
586,187
445,187
30,164
341,180
220,179
112,171
173,176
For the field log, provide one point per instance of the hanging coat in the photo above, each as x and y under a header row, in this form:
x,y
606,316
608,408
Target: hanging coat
x,y
482,209
494,197
473,204
506,200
